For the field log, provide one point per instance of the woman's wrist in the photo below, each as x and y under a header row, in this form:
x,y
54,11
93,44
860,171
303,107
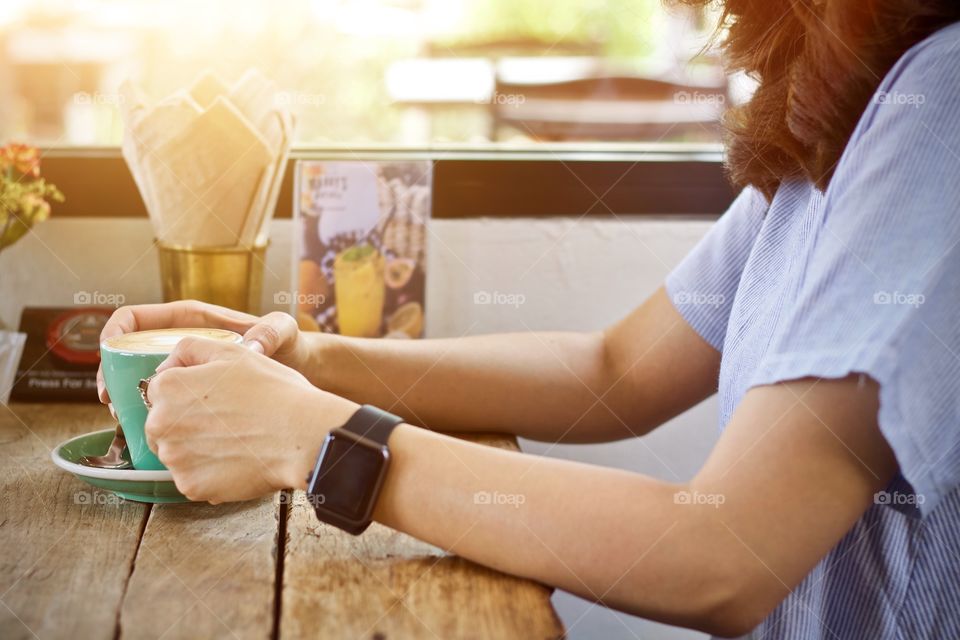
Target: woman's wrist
x,y
316,358
317,413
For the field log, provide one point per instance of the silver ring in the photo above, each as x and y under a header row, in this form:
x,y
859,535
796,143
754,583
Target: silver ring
x,y
143,386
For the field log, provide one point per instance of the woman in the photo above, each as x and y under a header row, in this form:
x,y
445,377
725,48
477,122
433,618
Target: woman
x,y
822,308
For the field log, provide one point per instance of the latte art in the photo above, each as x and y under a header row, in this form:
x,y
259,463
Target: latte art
x,y
161,341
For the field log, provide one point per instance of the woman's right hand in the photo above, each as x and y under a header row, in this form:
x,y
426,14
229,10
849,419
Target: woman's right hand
x,y
275,335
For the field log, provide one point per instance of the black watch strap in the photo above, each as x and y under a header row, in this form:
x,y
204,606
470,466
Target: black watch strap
x,y
373,423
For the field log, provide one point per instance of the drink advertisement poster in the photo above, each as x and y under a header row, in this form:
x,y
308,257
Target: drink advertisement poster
x,y
361,235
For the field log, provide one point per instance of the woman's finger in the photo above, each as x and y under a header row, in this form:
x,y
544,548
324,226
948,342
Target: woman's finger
x,y
183,314
102,387
271,332
191,351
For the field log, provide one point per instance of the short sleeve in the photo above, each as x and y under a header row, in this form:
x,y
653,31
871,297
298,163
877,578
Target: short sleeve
x,y
703,285
881,291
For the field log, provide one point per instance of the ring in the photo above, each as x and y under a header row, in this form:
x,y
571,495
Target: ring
x,y
143,386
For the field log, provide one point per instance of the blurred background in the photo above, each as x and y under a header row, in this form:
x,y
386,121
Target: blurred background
x,y
393,72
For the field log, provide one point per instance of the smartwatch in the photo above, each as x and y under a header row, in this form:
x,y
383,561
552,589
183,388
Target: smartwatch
x,y
350,469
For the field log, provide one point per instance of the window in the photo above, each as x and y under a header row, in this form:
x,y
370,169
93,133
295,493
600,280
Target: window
x,y
392,72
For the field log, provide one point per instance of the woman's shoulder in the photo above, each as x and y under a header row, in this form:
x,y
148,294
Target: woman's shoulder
x,y
910,122
941,42
932,64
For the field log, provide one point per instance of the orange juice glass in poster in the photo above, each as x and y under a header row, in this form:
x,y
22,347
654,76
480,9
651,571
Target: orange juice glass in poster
x,y
360,289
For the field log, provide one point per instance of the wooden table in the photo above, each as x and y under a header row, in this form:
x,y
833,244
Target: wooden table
x,y
260,569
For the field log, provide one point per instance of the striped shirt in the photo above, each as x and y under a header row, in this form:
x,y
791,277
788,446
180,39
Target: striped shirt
x,y
862,278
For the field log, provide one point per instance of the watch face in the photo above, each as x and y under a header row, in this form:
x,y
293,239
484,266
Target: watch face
x,y
348,476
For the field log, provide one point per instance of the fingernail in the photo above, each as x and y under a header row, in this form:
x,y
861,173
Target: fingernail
x,y
253,345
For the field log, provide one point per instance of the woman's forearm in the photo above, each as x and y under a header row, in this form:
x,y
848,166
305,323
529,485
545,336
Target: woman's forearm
x,y
637,549
574,387
786,481
544,386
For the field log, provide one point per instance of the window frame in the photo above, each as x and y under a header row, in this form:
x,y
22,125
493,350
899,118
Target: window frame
x,y
495,181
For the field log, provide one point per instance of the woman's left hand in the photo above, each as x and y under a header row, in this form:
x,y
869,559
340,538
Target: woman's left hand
x,y
232,424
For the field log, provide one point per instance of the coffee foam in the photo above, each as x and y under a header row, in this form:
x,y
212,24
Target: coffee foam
x,y
160,341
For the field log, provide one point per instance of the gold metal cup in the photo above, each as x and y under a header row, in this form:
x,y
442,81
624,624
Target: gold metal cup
x,y
227,276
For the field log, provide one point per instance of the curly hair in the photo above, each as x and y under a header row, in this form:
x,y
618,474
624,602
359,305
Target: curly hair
x,y
817,64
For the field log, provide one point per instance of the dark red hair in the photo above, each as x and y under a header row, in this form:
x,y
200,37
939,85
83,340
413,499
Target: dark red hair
x,y
818,63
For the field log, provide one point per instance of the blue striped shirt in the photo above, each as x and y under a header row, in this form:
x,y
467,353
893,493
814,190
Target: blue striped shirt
x,y
862,278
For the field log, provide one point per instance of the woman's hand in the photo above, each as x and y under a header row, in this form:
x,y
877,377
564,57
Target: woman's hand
x,y
232,424
275,334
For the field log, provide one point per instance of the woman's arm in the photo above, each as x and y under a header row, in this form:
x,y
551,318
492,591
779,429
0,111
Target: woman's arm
x,y
573,387
794,470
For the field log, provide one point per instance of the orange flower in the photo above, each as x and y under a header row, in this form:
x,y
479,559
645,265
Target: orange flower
x,y
22,157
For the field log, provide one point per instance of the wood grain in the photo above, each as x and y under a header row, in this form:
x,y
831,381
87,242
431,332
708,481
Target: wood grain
x,y
385,584
65,547
77,562
204,571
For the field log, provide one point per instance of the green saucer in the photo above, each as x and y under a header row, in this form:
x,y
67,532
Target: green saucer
x,y
129,484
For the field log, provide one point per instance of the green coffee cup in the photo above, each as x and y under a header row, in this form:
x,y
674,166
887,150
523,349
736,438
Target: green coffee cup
x,y
129,358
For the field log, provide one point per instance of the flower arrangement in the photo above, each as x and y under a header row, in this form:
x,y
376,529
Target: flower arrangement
x,y
25,197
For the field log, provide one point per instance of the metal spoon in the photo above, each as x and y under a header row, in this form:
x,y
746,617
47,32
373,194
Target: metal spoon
x,y
113,458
